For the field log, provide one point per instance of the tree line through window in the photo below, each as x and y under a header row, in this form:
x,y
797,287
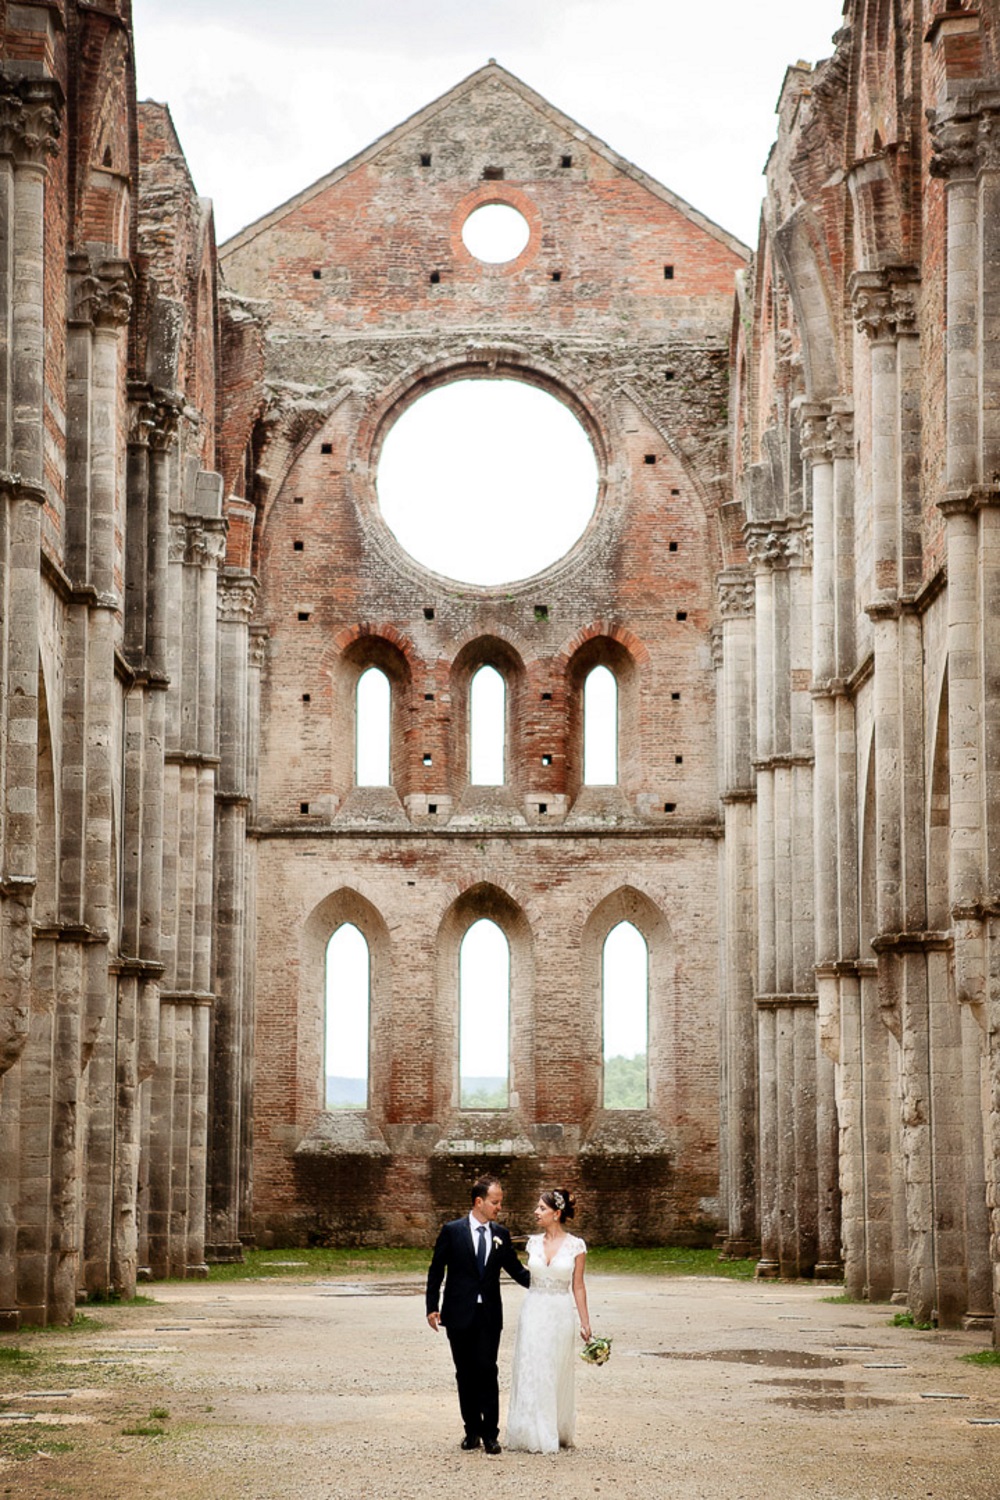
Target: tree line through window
x,y
487,728
484,1018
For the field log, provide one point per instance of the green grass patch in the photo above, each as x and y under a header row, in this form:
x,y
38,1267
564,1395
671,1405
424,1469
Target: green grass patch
x,y
907,1320
110,1298
347,1264
159,1414
982,1357
18,1444
12,1354
843,1297
143,1429
669,1260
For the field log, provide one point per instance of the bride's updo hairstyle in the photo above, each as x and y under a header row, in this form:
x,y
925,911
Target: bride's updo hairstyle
x,y
562,1201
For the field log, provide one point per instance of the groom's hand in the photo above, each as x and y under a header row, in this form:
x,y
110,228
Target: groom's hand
x,y
434,1319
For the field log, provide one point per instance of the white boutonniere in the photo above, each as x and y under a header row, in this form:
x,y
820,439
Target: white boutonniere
x,y
496,1240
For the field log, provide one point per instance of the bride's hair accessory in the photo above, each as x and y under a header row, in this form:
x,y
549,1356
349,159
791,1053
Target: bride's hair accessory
x,y
562,1200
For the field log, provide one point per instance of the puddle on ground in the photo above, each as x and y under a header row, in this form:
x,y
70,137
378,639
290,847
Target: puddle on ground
x,y
782,1359
847,1402
371,1288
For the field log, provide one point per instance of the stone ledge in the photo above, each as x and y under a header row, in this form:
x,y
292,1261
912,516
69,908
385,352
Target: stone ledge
x,y
347,1132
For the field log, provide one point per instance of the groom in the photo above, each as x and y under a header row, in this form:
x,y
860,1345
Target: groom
x,y
472,1250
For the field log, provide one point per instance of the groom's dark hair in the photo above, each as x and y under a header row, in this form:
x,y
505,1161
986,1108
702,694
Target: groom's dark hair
x,y
481,1188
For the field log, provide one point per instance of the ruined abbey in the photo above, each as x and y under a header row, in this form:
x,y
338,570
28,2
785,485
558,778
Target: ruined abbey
x,y
791,575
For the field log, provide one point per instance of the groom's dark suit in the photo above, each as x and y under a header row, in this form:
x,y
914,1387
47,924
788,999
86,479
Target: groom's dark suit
x,y
472,1315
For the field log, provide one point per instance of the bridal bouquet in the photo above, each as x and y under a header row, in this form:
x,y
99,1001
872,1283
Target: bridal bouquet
x,y
596,1351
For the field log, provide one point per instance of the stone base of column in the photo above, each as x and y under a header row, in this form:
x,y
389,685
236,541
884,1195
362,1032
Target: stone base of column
x,y
224,1255
197,1272
10,1319
978,1321
767,1270
737,1249
829,1270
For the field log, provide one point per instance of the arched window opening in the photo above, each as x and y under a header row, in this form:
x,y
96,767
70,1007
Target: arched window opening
x,y
484,1018
487,727
625,998
348,988
373,711
600,728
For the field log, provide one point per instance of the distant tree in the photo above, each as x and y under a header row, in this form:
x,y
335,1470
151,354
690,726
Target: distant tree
x,y
625,1082
483,1094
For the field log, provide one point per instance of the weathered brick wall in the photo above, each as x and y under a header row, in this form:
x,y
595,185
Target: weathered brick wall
x,y
373,298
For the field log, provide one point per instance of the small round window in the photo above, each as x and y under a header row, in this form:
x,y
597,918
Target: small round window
x,y
495,233
487,480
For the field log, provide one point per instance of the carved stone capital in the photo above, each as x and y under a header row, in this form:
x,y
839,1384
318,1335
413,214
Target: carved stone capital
x,y
790,546
31,111
954,146
814,437
103,298
884,303
258,645
840,432
196,542
237,599
988,142
736,595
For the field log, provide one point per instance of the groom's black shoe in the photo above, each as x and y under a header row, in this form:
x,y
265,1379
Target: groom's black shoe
x,y
492,1446
469,1442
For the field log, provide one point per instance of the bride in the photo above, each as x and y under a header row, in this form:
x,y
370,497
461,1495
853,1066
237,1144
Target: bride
x,y
542,1413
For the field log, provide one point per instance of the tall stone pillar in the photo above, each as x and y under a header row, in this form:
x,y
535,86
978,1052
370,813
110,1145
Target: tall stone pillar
x,y
237,597
738,793
790,1069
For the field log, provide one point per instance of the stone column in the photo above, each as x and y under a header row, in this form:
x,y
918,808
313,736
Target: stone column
x,y
736,713
237,598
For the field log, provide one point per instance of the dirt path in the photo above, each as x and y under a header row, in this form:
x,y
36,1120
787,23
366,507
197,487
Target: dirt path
x,y
337,1391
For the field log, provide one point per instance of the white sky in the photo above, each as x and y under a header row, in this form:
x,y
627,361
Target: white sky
x,y
269,97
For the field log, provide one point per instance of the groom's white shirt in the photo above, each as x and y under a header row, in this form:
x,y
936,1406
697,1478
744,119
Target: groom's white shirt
x,y
474,1228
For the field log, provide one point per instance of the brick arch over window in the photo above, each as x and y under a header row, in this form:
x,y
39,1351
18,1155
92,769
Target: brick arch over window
x,y
487,901
361,652
486,651
666,1031
622,660
344,905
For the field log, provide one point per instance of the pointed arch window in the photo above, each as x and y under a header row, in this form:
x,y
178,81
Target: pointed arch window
x,y
487,727
600,727
625,1004
348,1007
373,717
484,1017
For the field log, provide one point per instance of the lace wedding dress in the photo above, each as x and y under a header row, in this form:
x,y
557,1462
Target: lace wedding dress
x,y
542,1413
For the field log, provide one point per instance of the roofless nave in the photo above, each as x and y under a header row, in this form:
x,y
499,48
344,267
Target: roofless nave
x,y
788,574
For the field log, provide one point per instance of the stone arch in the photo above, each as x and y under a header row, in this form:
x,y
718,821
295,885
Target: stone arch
x,y
621,652
484,900
486,651
46,909
939,821
343,905
361,650
804,260
628,904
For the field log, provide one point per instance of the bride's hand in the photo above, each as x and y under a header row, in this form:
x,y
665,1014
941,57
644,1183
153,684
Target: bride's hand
x,y
585,1335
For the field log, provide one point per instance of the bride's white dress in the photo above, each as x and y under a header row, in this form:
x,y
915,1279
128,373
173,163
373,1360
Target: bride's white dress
x,y
542,1412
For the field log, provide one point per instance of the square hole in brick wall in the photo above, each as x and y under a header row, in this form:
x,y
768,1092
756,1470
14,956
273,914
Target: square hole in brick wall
x,y
669,806
668,375
428,697
425,158
326,447
427,760
682,614
543,807
432,807
678,760
650,458
675,492
303,807
556,276
546,697
428,613
671,546
493,174
541,611
435,278
298,546
317,275
668,273
303,614
299,500
546,760
566,161
675,697
307,697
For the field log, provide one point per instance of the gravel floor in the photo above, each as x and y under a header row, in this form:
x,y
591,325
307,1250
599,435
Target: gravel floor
x,y
337,1391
